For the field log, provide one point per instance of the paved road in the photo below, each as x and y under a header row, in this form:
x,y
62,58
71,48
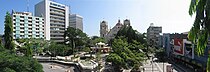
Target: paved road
x,y
57,67
150,67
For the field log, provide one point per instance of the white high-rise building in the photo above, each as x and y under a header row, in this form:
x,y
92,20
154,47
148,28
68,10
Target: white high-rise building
x,y
56,19
76,21
25,25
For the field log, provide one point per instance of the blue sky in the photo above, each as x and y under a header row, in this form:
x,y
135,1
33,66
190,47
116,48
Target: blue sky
x,y
172,15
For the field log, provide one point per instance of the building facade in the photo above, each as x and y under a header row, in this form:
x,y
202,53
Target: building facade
x,y
76,21
56,17
103,29
153,35
27,26
112,33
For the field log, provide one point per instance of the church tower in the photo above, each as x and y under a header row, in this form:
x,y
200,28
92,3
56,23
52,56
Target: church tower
x,y
127,22
103,28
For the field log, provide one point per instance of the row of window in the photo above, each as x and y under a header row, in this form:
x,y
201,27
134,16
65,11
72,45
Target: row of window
x,y
21,24
28,28
28,36
29,32
57,5
28,17
57,28
28,21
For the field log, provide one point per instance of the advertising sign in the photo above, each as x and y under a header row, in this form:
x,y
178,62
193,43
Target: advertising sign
x,y
178,46
188,49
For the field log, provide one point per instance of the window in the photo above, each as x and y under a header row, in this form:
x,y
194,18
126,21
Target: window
x,y
21,16
30,28
29,24
29,17
30,35
37,25
30,21
21,20
37,22
22,24
14,15
13,19
21,27
37,28
21,31
37,32
14,23
30,32
37,18
37,35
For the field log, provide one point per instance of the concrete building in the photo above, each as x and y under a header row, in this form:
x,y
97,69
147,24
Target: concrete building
x,y
56,17
112,33
76,21
168,41
153,35
27,26
103,29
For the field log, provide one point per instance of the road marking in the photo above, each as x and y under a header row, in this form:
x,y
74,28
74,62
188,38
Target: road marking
x,y
158,67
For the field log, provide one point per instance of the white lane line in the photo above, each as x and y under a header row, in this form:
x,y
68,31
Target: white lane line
x,y
158,67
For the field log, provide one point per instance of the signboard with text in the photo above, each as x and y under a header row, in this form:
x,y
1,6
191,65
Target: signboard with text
x,y
178,47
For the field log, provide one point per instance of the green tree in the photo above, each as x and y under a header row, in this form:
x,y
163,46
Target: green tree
x,y
9,62
1,46
130,34
58,49
75,37
200,30
8,32
130,54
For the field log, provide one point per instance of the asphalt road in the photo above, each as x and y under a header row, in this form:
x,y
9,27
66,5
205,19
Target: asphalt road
x,y
54,67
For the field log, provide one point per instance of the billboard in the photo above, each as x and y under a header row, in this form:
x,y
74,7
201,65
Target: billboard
x,y
178,46
188,49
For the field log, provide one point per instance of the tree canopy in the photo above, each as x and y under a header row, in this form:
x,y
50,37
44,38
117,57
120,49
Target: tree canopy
x,y
130,34
124,55
13,63
8,32
200,30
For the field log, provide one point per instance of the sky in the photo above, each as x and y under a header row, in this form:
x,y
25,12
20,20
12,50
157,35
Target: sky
x,y
172,15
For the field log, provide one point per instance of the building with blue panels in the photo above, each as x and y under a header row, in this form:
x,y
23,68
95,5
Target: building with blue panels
x,y
27,26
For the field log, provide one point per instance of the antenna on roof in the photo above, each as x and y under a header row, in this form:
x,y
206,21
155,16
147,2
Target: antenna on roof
x,y
27,5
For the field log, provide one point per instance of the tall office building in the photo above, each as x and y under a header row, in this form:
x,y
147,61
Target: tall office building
x,y
56,18
76,21
153,35
27,26
103,28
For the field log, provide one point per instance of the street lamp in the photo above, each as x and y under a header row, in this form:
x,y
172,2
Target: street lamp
x,y
153,58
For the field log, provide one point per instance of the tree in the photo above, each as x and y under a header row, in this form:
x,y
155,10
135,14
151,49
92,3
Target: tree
x,y
75,37
129,53
1,46
9,62
130,34
200,30
58,49
8,31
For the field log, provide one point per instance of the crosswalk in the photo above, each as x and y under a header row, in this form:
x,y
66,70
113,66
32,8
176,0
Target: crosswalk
x,y
150,67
